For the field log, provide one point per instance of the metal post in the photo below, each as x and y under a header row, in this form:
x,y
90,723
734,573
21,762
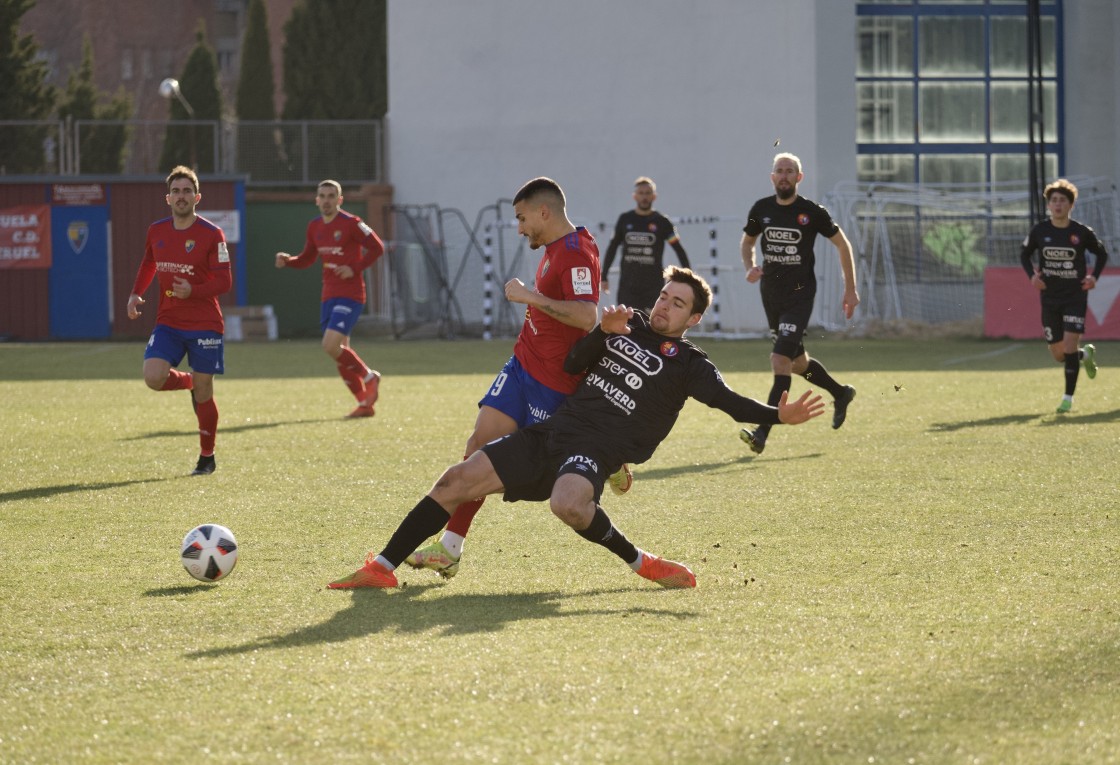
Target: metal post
x,y
487,285
713,280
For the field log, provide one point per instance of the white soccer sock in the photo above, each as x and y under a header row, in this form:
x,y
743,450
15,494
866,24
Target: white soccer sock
x,y
453,542
638,563
388,566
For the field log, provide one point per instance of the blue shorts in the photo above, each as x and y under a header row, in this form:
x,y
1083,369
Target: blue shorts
x,y
514,392
205,351
339,314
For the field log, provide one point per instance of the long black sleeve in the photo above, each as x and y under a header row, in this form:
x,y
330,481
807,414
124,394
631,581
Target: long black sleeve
x,y
743,409
586,351
682,256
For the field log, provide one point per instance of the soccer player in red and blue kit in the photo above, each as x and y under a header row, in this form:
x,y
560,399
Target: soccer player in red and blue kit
x,y
533,383
188,256
347,246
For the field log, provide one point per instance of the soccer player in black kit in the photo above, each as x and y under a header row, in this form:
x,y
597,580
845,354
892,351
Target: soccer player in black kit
x,y
640,371
1063,280
789,225
642,233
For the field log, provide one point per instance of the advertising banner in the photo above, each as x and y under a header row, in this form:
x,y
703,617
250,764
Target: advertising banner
x,y
25,237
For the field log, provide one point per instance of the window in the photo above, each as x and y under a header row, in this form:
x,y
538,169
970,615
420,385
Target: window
x,y
944,90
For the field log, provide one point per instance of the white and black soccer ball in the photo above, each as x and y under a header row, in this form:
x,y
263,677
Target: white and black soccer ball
x,y
209,552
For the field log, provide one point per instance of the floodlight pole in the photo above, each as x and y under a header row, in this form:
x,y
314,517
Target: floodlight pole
x,y
168,88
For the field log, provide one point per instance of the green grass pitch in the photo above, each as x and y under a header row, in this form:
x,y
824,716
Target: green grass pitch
x,y
936,582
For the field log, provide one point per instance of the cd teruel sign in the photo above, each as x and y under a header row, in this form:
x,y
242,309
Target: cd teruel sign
x,y
25,237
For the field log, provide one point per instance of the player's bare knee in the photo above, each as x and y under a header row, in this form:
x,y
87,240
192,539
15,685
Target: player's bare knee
x,y
567,512
451,487
331,347
156,380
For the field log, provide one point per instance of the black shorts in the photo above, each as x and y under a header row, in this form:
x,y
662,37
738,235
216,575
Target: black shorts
x,y
788,318
1063,313
528,463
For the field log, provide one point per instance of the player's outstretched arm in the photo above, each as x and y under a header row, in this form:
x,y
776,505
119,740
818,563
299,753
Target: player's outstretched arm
x,y
801,410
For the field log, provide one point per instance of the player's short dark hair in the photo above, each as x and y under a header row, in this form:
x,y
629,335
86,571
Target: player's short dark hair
x,y
701,292
546,189
182,171
1063,187
333,184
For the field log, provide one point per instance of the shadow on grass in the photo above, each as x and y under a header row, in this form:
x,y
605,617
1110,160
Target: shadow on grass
x,y
227,429
1073,418
372,611
54,491
724,466
990,422
182,589
1089,418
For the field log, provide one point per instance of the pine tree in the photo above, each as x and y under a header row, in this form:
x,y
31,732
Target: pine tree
x,y
255,82
24,93
100,147
336,68
351,83
194,145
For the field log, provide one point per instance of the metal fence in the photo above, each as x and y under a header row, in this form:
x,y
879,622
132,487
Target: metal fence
x,y
277,153
921,252
923,249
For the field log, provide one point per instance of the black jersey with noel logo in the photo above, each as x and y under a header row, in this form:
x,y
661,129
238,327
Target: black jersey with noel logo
x,y
634,389
643,239
786,234
1061,255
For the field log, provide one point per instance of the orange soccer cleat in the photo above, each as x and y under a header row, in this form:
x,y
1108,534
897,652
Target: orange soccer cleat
x,y
667,573
372,574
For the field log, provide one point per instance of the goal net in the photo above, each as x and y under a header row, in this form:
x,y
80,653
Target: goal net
x,y
921,253
923,249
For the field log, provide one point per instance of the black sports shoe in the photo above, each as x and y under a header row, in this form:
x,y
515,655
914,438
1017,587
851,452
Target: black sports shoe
x,y
841,403
755,439
205,466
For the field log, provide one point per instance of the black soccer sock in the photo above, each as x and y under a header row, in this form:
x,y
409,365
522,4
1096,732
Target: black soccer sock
x,y
781,385
424,520
816,374
1073,366
602,532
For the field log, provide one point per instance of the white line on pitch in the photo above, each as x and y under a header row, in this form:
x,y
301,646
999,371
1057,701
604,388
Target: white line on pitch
x,y
988,355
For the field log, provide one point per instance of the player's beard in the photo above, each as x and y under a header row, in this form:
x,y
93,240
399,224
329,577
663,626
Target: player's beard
x,y
184,212
659,322
785,192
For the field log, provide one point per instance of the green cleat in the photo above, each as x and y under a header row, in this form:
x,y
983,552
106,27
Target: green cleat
x,y
437,558
622,481
1090,360
1065,406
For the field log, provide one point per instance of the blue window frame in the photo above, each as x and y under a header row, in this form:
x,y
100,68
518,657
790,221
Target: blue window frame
x,y
942,91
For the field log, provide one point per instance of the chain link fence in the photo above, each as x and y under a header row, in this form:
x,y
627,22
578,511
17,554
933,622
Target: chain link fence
x,y
278,153
922,250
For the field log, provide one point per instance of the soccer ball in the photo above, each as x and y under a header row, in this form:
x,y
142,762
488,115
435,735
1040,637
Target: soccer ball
x,y
209,552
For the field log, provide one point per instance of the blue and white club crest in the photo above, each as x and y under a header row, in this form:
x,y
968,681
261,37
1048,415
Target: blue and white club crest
x,y
78,234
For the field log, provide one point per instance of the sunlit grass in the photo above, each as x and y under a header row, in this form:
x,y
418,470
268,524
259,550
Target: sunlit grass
x,y
934,582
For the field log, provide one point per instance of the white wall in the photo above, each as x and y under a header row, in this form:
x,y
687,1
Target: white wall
x,y
484,95
1092,88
